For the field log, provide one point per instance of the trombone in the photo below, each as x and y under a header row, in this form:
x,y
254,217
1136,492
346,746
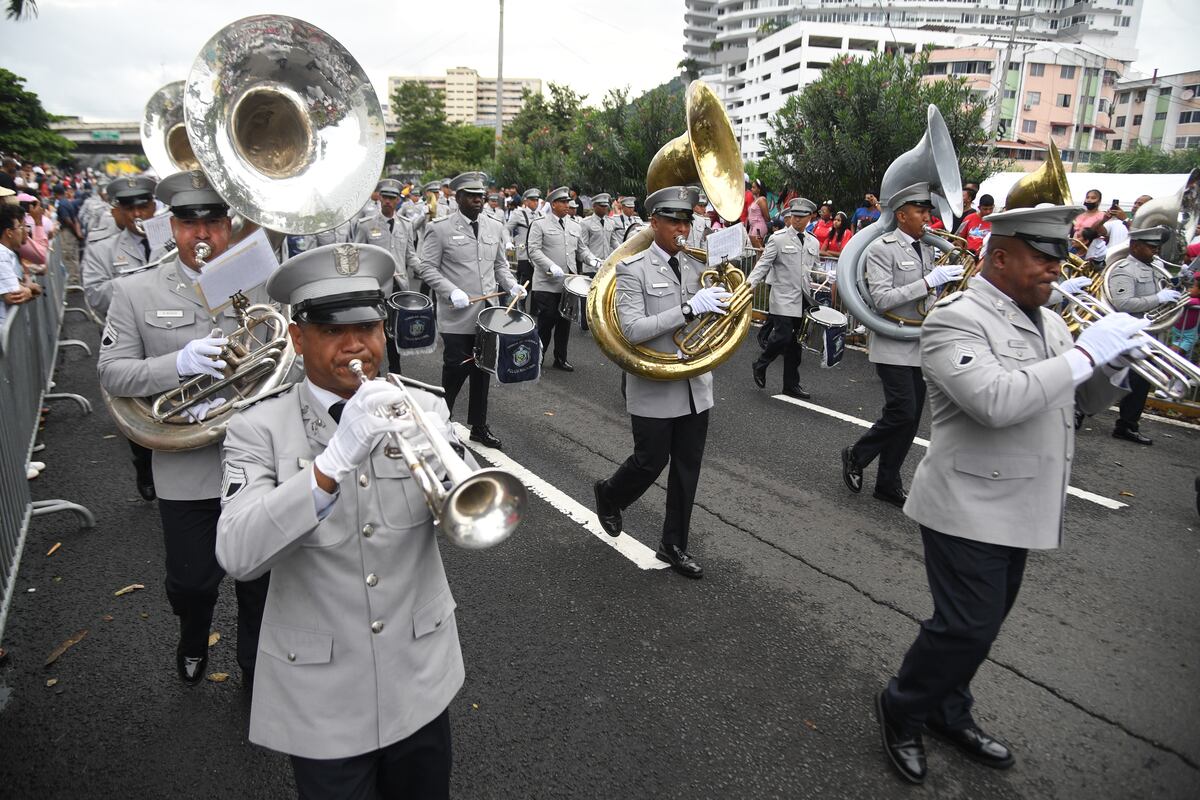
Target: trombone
x,y
479,508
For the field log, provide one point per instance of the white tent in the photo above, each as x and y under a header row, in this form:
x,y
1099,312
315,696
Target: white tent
x,y
1113,186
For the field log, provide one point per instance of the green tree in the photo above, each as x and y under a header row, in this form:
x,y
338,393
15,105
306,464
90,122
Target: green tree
x,y
838,137
421,114
537,145
1142,159
21,9
25,125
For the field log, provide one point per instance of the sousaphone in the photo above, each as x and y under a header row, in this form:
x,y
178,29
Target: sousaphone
x,y
164,136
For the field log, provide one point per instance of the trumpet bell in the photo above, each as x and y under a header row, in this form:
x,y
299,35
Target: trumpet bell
x,y
164,136
707,153
483,510
285,123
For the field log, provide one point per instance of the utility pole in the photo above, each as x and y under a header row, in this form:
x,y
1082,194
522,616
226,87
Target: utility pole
x,y
1003,87
499,85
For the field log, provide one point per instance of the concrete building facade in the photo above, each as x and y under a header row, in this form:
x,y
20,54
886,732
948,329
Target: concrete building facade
x,y
1160,111
469,98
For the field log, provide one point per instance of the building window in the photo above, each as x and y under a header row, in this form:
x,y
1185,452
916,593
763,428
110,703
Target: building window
x,y
1121,122
935,69
1116,145
1189,116
1029,126
1066,72
1058,130
1160,116
1037,70
1033,98
1137,120
1063,101
1124,22
1009,94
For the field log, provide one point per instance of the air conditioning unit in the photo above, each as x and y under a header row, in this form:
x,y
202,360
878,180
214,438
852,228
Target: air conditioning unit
x,y
1027,107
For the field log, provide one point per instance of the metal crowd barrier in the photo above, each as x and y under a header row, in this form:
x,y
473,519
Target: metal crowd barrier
x,y
29,344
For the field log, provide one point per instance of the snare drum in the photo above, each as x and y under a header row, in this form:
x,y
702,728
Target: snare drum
x,y
507,345
824,331
411,323
574,295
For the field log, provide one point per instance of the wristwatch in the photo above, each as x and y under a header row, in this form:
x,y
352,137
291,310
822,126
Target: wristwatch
x,y
688,314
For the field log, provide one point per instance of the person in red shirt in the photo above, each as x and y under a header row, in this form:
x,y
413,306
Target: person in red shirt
x,y
973,227
820,226
836,237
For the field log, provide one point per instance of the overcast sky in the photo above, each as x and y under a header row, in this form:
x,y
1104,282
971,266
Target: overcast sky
x,y
102,59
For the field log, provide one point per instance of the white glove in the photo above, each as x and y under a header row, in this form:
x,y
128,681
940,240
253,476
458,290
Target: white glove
x,y
556,271
517,290
1168,295
360,429
710,298
201,357
201,410
1074,285
460,299
942,274
1109,338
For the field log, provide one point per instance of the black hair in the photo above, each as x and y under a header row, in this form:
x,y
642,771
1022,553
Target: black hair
x,y
11,216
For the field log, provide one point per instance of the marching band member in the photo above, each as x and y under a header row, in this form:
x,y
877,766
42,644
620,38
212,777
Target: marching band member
x,y
658,291
1135,290
107,256
393,233
626,217
701,224
462,254
159,334
520,222
598,228
359,654
1005,377
554,244
899,275
786,265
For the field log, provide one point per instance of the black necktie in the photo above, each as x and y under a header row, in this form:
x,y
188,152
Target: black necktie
x,y
562,224
392,224
674,262
146,248
336,410
475,228
917,249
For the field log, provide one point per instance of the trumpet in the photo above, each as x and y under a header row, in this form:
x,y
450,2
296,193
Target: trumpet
x,y
478,508
1162,367
708,332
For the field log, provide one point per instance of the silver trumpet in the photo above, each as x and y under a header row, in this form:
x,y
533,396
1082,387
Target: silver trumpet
x,y
478,508
1162,367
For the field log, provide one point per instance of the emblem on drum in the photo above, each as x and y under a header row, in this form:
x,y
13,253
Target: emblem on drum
x,y
416,327
520,356
345,259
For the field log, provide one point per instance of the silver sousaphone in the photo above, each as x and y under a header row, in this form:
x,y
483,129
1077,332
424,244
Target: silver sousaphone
x,y
164,136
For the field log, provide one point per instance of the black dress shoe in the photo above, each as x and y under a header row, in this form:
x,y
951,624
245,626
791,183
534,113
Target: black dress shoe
x,y
608,514
905,751
851,472
976,744
760,376
680,561
564,365
145,488
191,668
895,496
1130,435
483,434
798,392
1078,420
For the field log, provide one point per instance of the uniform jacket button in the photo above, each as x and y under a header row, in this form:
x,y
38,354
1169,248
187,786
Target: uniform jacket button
x,y
367,530
364,481
377,626
291,656
995,474
372,579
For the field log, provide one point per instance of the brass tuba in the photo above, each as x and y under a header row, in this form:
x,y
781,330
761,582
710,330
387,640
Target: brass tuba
x,y
164,136
706,154
932,161
287,129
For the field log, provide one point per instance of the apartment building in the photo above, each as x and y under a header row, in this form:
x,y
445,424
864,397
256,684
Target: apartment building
x,y
1159,111
469,98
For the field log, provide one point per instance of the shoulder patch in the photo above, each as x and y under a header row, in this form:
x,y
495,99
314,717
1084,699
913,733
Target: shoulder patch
x,y
109,337
948,299
890,238
963,357
233,480
276,392
635,257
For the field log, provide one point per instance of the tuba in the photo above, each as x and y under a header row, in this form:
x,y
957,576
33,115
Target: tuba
x,y
164,135
932,161
286,127
707,153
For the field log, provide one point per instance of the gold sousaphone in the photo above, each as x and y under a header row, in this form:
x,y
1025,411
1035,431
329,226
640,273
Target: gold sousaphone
x,y
708,155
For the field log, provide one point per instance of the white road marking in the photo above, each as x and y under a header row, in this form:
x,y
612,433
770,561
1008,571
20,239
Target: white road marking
x,y
1178,423
1082,494
626,545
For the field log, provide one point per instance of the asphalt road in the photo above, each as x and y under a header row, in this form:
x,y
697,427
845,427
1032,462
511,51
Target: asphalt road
x,y
589,677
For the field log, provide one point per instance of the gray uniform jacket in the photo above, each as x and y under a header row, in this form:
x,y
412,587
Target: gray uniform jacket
x,y
359,645
785,264
153,315
701,225
896,281
339,235
414,212
620,223
452,258
650,309
520,221
597,235
555,241
400,241
1134,286
1002,401
105,258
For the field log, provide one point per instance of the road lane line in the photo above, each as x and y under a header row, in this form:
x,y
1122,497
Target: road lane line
x,y
1082,494
626,545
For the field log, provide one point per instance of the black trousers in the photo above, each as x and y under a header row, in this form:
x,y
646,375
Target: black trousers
x,y
551,323
782,339
458,363
193,575
1132,404
525,275
892,434
974,586
416,768
679,440
141,457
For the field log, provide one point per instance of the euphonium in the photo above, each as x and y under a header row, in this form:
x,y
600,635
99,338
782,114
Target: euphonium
x,y
707,154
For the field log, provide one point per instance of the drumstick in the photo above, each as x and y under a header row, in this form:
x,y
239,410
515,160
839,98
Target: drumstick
x,y
471,300
513,304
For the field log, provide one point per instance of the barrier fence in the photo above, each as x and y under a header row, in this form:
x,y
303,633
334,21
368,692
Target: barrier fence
x,y
29,345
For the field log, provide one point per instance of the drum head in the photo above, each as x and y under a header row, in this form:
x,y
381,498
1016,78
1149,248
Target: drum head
x,y
409,301
829,317
577,285
509,323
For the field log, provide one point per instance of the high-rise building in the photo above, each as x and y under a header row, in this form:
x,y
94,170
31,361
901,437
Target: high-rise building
x,y
469,98
1159,111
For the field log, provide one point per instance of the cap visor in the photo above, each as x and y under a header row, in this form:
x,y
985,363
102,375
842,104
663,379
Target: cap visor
x,y
335,314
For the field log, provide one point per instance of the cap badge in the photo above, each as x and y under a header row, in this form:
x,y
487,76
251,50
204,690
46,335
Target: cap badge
x,y
345,259
131,182
683,193
198,181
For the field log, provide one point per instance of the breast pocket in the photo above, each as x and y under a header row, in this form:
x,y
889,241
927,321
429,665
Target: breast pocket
x,y
661,298
332,530
996,466
168,329
487,248
295,646
401,502
1015,357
